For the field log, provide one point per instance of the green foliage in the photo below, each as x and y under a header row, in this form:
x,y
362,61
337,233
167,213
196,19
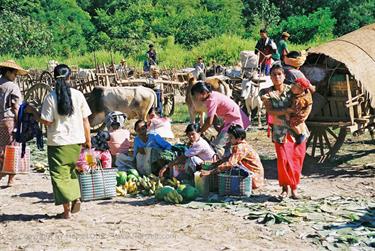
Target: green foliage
x,y
181,114
317,26
23,36
260,14
70,25
180,29
350,14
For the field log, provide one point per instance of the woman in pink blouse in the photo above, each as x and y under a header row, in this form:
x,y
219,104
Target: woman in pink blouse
x,y
222,106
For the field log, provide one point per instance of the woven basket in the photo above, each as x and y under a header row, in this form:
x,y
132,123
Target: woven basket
x,y
13,163
213,179
98,184
234,185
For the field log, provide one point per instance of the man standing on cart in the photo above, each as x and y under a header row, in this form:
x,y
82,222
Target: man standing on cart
x,y
265,47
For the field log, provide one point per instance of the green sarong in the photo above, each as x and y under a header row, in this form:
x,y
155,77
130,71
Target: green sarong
x,y
62,165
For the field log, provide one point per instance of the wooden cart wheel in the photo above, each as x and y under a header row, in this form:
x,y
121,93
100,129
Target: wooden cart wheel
x,y
36,94
324,142
46,78
168,105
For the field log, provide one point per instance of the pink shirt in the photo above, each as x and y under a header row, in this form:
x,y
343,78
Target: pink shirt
x,y
200,149
225,108
119,141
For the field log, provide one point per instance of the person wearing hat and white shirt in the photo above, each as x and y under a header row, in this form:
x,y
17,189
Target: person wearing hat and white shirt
x,y
10,100
282,46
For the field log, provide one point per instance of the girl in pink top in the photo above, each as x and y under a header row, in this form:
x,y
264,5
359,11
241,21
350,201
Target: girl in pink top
x,y
157,125
198,152
119,141
222,106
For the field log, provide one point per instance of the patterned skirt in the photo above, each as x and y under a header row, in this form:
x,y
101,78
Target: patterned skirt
x,y
6,136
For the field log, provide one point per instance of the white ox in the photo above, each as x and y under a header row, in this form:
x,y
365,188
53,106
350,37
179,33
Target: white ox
x,y
135,102
250,93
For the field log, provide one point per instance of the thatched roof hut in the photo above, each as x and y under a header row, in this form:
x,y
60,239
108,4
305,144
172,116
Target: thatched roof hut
x,y
356,50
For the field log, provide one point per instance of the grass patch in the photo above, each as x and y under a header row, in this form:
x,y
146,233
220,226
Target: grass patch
x,y
181,114
225,49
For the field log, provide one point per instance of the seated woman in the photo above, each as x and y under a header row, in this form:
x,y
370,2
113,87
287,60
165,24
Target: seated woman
x,y
198,152
119,140
142,141
242,154
157,125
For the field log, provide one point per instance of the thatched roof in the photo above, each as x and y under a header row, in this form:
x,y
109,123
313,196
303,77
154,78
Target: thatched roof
x,y
357,51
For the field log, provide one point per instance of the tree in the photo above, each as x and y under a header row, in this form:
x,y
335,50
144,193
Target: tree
x,y
317,26
70,25
21,36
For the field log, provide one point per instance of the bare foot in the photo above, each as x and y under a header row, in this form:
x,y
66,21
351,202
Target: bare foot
x,y
295,195
284,192
10,183
64,215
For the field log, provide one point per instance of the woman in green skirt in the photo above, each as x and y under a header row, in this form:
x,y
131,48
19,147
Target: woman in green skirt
x,y
65,112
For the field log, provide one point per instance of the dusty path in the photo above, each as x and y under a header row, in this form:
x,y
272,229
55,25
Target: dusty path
x,y
27,212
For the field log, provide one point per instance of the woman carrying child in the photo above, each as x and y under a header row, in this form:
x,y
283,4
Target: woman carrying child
x,y
242,154
198,152
290,156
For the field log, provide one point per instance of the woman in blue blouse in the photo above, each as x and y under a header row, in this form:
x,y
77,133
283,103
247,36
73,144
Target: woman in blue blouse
x,y
145,141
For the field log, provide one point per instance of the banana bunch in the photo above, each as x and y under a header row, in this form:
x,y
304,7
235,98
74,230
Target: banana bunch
x,y
148,185
120,191
157,180
173,182
173,197
130,187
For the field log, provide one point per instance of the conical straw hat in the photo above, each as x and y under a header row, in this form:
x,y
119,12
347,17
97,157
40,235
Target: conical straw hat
x,y
13,65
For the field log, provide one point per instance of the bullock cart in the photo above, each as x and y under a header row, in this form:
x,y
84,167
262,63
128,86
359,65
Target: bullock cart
x,y
343,72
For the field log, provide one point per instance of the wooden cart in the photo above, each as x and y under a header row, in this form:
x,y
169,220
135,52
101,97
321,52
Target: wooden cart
x,y
344,102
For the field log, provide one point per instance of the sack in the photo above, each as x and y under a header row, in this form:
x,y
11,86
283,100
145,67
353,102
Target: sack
x,y
235,182
13,163
98,184
124,162
201,183
145,161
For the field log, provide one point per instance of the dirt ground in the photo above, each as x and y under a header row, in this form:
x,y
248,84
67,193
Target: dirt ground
x,y
27,212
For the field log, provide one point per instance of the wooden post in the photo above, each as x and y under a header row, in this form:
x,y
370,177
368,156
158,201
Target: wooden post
x,y
107,83
350,101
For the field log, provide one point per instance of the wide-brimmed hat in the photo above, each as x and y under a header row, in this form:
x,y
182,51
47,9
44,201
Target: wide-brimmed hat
x,y
11,64
285,34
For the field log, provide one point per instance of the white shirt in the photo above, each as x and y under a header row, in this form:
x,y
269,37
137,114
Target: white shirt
x,y
65,130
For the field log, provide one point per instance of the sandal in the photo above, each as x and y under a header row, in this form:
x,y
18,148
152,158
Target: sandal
x,y
76,206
